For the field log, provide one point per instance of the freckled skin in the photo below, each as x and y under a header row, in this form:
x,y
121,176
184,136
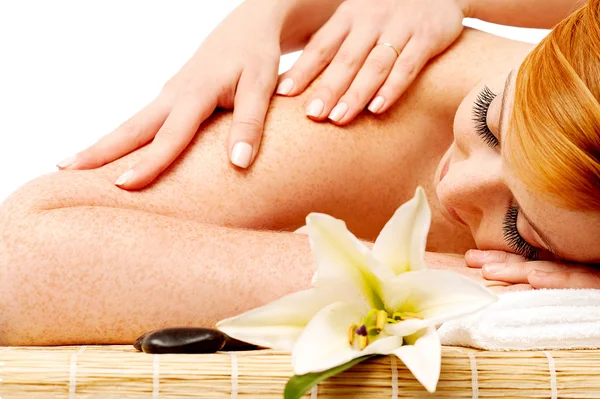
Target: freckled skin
x,y
82,261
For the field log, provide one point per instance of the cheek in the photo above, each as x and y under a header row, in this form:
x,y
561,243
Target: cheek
x,y
488,234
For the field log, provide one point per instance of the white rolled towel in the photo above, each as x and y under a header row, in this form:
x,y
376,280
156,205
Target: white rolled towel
x,y
531,320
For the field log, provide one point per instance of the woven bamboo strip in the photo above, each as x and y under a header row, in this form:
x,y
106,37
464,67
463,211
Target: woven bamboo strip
x,y
121,372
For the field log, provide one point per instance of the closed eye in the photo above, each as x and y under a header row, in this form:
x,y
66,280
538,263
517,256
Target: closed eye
x,y
514,239
480,113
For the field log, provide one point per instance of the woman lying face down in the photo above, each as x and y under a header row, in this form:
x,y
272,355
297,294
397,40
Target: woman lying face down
x,y
526,157
84,261
199,245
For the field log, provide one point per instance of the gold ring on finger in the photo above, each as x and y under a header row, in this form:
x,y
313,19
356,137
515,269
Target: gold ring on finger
x,y
390,45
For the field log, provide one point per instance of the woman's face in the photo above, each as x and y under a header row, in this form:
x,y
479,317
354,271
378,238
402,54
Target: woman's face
x,y
476,188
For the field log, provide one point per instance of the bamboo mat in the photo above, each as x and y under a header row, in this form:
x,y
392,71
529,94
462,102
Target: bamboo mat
x,y
121,372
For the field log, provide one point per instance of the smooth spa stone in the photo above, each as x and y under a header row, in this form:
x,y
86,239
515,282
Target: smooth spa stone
x,y
183,340
188,340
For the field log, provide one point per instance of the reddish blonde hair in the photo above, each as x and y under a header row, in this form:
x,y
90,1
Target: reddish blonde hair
x,y
553,144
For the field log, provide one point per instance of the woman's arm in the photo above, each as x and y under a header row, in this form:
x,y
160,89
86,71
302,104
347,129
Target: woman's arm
x,y
105,275
102,275
525,13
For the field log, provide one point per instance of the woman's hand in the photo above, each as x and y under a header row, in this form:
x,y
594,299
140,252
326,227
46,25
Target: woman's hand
x,y
359,68
235,67
504,266
456,263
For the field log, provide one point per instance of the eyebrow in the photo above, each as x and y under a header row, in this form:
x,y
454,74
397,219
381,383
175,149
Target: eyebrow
x,y
550,247
503,104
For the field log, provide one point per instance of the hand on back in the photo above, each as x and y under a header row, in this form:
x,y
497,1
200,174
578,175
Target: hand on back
x,y
369,53
236,68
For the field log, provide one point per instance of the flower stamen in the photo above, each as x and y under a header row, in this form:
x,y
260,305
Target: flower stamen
x,y
362,331
382,318
373,323
369,316
351,333
399,316
363,341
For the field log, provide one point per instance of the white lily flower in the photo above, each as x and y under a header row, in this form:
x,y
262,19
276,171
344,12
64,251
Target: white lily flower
x,y
363,302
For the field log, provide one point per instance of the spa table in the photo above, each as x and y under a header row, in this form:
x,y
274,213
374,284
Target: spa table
x,y
120,372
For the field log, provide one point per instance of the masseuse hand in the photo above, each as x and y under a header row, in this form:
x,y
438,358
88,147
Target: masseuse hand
x,y
504,266
360,69
236,66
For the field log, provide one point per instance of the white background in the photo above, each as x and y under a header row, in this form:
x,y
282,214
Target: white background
x,y
73,70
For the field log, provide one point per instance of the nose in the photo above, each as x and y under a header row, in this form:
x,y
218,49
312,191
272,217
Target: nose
x,y
472,186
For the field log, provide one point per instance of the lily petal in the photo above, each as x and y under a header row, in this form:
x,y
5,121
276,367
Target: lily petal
x,y
324,343
342,259
423,358
401,243
278,324
437,295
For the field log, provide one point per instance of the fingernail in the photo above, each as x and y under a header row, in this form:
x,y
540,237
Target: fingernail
x,y
376,104
241,155
338,112
125,177
315,108
285,87
477,255
67,162
494,267
539,273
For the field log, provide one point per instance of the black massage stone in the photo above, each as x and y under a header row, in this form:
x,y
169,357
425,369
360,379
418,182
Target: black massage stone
x,y
183,340
188,340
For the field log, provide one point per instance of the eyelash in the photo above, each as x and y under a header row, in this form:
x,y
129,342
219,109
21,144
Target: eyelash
x,y
480,111
513,238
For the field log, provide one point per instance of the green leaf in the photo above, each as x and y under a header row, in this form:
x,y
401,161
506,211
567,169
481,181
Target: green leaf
x,y
298,385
